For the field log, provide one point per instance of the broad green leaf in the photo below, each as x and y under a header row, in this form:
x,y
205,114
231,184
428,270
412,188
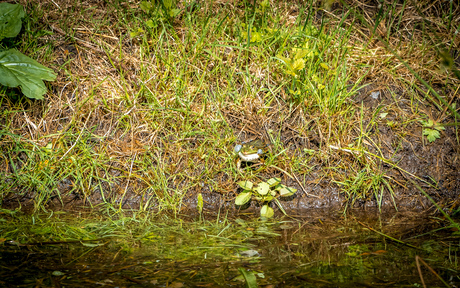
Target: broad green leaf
x,y
246,185
10,19
431,134
262,188
273,181
243,198
287,191
16,69
249,277
267,211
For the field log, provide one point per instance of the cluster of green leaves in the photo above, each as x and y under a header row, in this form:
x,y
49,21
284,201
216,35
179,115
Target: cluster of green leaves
x,y
314,62
264,192
16,69
257,35
431,130
162,13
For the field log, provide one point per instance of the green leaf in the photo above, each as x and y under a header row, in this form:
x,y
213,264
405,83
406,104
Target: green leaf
x,y
243,198
145,6
262,188
298,64
273,181
16,69
300,52
150,24
285,60
246,185
324,65
249,277
267,211
10,19
200,203
428,123
285,191
431,134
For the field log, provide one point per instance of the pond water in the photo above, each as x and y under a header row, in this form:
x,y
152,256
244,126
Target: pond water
x,y
333,252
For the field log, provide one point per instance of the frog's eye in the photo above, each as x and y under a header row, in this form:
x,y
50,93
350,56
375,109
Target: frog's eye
x,y
238,148
260,152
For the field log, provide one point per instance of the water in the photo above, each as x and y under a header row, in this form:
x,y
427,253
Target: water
x,y
283,253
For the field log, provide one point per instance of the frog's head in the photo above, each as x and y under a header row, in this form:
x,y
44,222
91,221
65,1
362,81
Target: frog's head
x,y
251,147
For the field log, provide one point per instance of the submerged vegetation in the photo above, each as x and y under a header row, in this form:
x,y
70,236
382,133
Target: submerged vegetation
x,y
139,249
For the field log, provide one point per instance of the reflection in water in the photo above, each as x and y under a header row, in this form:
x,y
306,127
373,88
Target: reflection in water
x,y
313,253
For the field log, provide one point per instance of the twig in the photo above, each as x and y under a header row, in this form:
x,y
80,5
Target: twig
x,y
417,259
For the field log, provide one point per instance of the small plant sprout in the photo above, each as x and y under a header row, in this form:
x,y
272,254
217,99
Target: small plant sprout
x,y
431,130
264,192
199,205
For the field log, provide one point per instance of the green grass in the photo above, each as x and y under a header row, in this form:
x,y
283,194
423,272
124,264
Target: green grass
x,y
148,105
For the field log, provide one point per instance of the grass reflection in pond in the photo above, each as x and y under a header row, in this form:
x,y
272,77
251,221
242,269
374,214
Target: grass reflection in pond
x,y
63,250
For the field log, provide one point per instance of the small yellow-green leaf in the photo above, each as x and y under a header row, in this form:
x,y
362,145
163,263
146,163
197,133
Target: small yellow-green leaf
x,y
200,203
273,181
246,185
324,65
298,64
262,188
268,198
267,211
299,53
286,61
243,198
256,37
287,191
150,23
145,6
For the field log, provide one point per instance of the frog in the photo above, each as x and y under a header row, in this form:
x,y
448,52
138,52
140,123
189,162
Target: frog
x,y
252,151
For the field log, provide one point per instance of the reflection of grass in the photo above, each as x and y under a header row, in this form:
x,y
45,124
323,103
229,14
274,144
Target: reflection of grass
x,y
279,250
149,118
